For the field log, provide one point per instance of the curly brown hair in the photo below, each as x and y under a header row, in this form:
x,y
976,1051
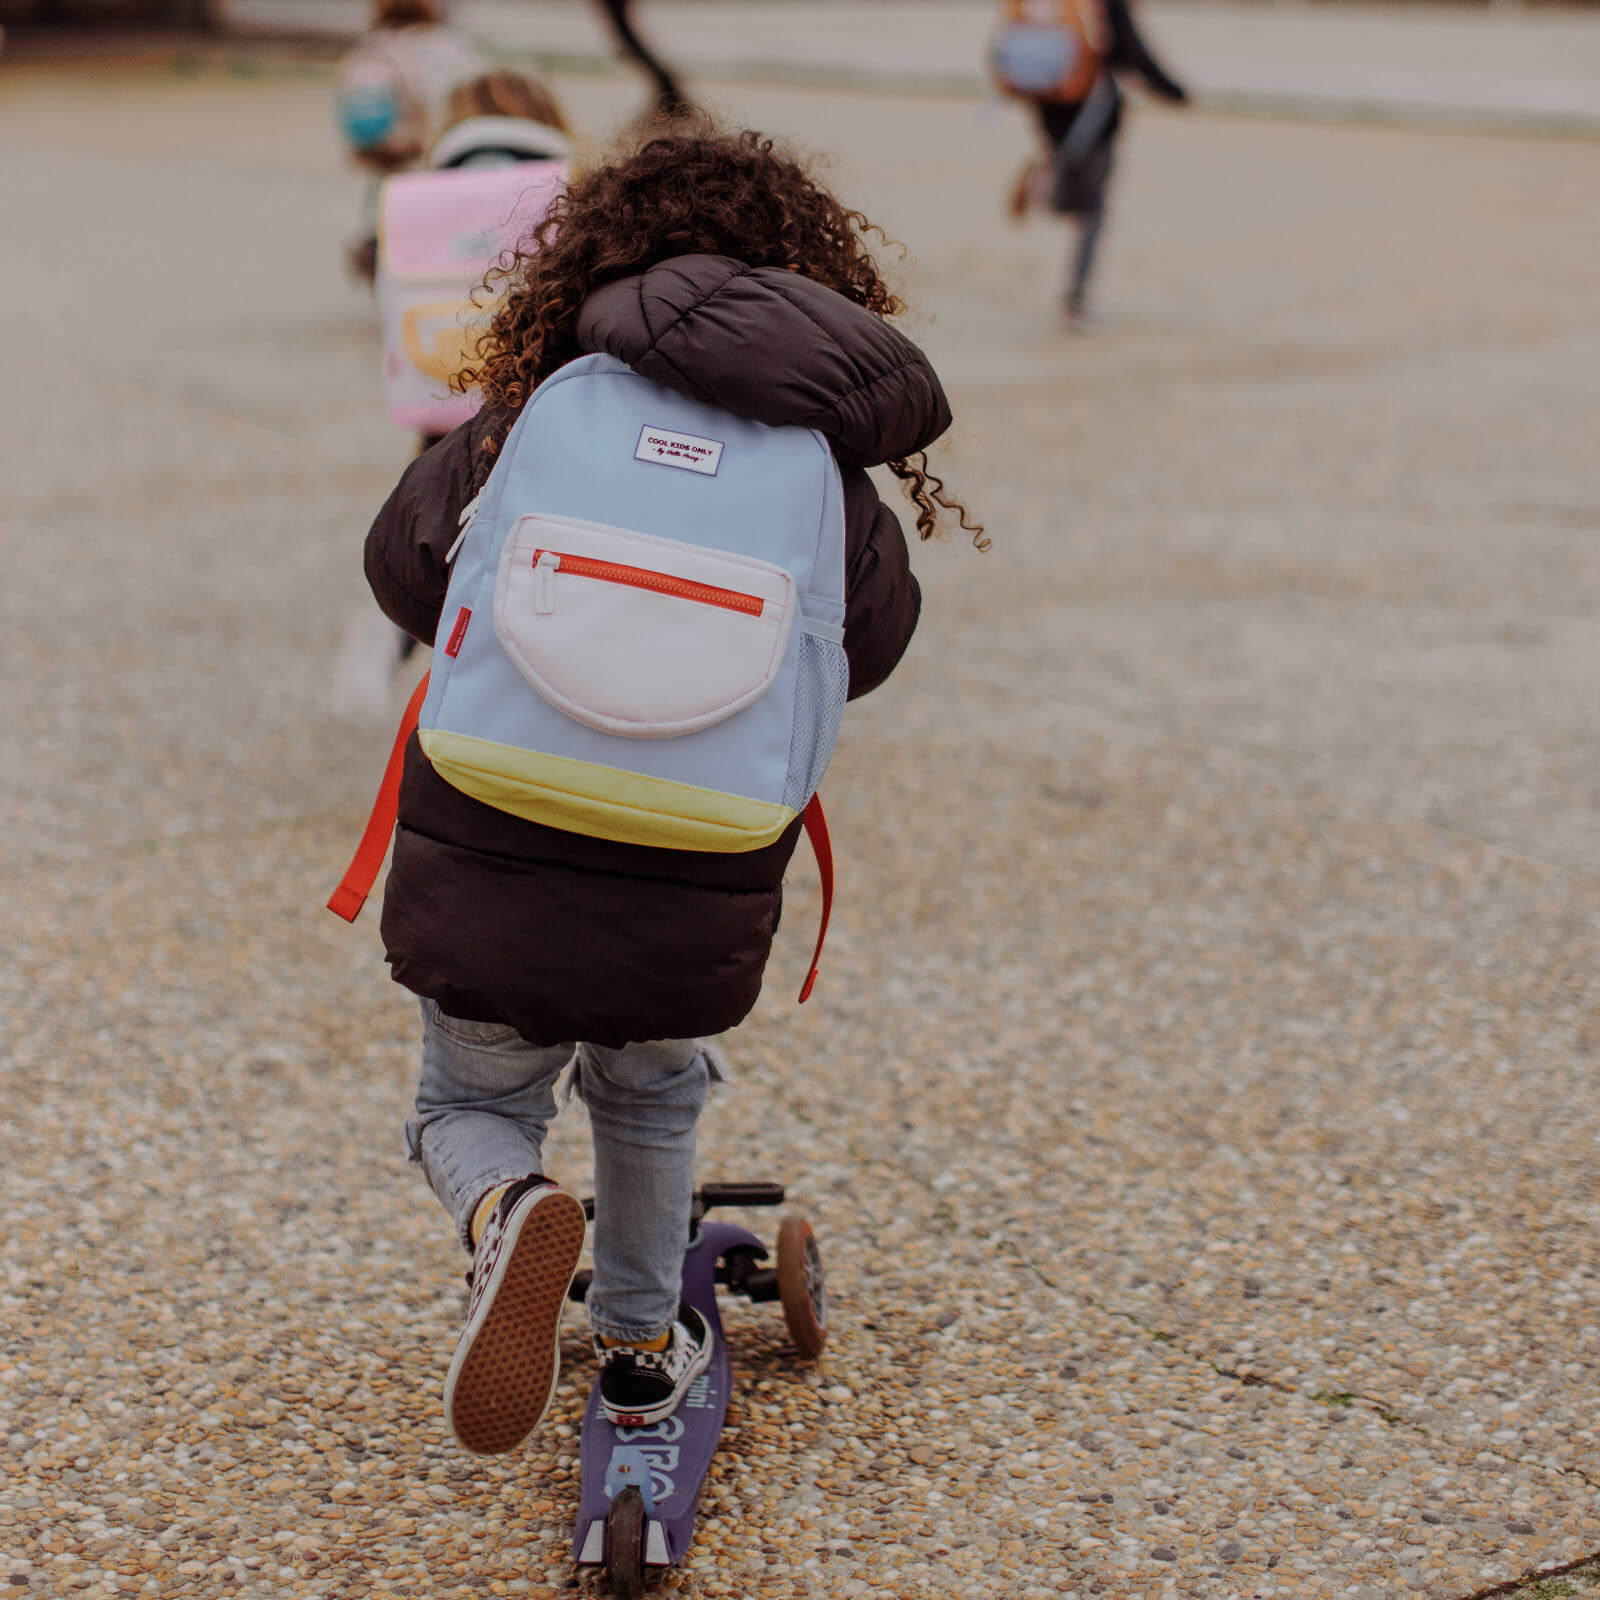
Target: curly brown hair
x,y
685,189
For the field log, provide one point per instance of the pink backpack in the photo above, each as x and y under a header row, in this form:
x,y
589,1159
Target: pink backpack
x,y
438,233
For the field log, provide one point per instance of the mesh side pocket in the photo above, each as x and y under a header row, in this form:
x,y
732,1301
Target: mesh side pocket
x,y
821,686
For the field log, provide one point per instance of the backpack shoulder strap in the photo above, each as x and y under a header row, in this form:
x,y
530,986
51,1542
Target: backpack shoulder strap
x,y
347,900
817,832
359,877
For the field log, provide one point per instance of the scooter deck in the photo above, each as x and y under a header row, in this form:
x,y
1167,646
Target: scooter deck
x,y
668,1460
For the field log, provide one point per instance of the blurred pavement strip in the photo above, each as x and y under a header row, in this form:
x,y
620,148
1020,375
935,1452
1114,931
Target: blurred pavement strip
x,y
1511,69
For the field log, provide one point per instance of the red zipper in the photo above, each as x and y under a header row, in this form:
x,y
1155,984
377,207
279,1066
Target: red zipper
x,y
706,594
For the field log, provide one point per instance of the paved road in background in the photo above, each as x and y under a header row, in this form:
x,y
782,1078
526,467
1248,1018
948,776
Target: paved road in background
x,y
1498,66
1198,1106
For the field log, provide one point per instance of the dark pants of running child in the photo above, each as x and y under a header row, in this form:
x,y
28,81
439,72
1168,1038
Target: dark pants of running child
x,y
1082,173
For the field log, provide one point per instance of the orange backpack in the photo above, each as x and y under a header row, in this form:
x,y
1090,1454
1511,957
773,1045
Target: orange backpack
x,y
1047,49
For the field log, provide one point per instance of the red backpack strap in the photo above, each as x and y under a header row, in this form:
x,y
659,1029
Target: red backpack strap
x,y
359,877
817,832
348,899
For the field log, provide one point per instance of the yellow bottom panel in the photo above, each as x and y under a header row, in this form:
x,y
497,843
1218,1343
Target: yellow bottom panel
x,y
602,802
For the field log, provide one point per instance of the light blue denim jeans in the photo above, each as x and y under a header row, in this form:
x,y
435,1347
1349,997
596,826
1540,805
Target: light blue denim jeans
x,y
485,1102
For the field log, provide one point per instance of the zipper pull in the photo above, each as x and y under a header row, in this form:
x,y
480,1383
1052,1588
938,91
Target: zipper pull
x,y
544,582
464,522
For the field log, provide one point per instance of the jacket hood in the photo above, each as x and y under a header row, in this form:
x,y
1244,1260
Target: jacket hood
x,y
775,347
509,137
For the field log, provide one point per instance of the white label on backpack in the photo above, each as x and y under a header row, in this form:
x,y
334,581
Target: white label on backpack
x,y
668,449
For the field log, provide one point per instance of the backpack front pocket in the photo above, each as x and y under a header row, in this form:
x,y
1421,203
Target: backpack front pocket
x,y
634,635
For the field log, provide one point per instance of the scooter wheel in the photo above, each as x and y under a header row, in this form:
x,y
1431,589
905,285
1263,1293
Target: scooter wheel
x,y
625,1545
802,1286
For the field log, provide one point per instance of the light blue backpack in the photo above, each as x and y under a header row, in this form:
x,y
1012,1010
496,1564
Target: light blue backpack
x,y
642,635
1045,49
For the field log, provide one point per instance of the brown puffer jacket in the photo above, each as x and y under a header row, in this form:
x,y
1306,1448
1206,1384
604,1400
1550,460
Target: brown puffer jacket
x,y
565,937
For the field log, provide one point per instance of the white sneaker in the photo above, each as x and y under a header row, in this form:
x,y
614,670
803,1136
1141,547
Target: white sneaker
x,y
638,1387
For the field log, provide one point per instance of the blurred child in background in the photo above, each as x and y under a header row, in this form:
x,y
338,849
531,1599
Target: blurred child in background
x,y
492,120
501,117
495,120
393,92
1062,56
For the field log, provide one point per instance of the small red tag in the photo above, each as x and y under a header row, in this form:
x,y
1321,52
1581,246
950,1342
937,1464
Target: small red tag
x,y
458,633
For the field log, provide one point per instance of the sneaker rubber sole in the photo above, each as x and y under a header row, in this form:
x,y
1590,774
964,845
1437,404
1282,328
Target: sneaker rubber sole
x,y
507,1362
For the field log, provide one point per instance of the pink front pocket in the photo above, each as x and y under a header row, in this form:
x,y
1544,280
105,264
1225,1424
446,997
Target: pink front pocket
x,y
635,635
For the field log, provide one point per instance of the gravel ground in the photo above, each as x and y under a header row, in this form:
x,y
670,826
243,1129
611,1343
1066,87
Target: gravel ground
x,y
1197,1106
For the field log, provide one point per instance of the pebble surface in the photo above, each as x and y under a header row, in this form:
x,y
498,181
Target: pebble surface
x,y
1197,1111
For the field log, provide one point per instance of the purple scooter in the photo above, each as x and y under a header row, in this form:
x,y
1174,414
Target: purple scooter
x,y
641,1486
